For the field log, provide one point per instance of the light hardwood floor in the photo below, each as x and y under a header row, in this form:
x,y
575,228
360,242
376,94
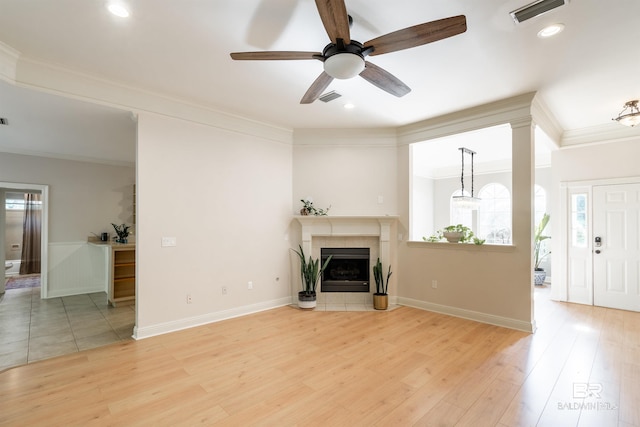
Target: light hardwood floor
x,y
286,367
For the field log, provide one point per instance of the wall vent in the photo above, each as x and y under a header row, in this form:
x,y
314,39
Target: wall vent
x,y
535,9
329,96
4,121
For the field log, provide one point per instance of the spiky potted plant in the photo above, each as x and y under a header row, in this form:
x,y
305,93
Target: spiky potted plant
x,y
122,231
539,252
380,297
310,273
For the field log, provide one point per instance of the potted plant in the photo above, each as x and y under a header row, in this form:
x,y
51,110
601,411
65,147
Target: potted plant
x,y
454,234
122,231
539,252
309,209
310,273
381,298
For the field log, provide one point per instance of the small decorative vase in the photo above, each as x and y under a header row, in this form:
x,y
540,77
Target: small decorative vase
x,y
303,211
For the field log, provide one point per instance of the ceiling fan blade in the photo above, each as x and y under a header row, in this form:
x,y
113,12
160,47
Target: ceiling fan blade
x,y
272,55
335,19
384,80
316,89
418,35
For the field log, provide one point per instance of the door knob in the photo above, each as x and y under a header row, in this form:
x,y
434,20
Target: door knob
x,y
597,251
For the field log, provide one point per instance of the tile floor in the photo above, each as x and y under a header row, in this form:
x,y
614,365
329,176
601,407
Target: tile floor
x,y
33,329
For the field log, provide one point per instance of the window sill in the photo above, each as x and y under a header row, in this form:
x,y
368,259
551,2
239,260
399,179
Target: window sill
x,y
461,246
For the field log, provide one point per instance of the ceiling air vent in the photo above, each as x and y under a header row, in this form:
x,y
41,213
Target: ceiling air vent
x,y
536,8
329,96
4,121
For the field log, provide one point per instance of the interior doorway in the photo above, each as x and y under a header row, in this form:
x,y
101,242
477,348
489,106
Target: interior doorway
x,y
8,191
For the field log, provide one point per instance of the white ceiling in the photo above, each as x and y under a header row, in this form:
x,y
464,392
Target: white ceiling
x,y
180,49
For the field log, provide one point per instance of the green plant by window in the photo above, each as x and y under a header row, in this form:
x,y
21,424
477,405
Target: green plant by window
x,y
539,253
467,235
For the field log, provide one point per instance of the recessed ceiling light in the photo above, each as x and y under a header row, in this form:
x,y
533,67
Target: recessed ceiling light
x,y
118,9
349,106
550,30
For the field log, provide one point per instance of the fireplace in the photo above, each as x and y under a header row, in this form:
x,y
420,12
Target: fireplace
x,y
348,270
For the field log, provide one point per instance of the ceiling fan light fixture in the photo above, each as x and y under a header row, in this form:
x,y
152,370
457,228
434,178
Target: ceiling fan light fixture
x,y
630,115
118,9
345,65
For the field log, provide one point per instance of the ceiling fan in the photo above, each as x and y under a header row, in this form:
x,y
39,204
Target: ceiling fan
x,y
343,58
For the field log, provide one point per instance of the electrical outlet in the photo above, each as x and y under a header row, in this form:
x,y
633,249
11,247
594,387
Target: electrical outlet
x,y
250,285
189,300
224,290
434,284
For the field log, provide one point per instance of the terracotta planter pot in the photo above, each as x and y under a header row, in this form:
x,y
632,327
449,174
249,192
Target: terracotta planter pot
x,y
380,301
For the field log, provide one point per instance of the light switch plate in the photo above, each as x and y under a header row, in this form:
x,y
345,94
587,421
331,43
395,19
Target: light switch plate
x,y
168,241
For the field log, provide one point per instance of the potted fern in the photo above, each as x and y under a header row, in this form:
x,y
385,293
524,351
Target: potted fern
x,y
381,298
310,273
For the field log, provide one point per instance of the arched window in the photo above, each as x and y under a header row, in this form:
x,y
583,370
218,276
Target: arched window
x,y
494,214
458,215
539,204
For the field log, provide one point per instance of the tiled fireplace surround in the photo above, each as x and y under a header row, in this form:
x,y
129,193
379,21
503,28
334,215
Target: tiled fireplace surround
x,y
373,232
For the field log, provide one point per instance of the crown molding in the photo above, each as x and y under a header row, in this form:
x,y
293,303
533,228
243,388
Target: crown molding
x,y
365,137
482,116
8,62
58,80
610,132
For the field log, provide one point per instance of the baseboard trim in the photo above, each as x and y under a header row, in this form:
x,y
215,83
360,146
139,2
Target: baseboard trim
x,y
190,322
59,293
477,316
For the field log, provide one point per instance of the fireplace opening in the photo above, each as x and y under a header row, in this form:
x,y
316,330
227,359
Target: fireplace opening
x,y
348,270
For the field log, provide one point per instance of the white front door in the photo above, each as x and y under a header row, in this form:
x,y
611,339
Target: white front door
x,y
616,246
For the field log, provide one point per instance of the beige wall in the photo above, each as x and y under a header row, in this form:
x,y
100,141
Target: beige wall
x,y
83,197
226,198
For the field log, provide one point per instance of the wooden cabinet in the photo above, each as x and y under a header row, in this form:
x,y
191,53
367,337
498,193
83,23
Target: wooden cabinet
x,y
122,286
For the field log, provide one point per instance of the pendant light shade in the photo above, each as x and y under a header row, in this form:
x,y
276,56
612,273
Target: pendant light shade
x,y
463,201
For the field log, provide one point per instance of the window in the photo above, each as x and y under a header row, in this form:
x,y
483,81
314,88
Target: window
x,y
494,214
579,220
539,204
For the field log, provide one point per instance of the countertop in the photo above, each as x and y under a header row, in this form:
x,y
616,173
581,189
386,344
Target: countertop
x,y
113,244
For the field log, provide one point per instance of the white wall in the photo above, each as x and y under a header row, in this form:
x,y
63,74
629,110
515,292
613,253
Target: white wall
x,y
347,170
226,198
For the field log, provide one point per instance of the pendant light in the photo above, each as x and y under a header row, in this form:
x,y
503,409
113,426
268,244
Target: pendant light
x,y
462,201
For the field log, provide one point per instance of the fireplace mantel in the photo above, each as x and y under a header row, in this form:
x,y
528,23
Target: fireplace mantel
x,y
347,225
